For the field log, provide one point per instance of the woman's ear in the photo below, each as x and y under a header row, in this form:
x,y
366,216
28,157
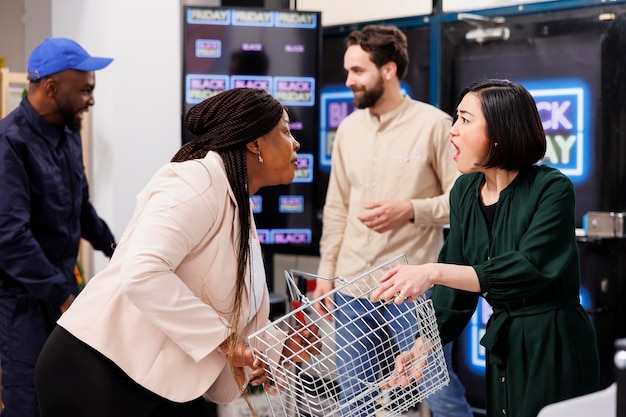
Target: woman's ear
x,y
253,146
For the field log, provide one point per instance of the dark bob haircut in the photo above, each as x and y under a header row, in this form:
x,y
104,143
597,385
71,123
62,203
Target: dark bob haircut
x,y
513,124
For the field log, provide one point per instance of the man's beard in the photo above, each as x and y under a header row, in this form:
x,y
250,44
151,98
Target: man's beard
x,y
69,117
370,97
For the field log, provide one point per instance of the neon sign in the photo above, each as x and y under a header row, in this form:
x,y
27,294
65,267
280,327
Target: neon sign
x,y
304,169
284,236
564,108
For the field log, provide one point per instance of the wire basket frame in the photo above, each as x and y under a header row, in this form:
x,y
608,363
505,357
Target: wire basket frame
x,y
311,388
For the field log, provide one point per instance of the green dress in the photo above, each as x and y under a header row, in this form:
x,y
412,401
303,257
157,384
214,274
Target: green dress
x,y
540,343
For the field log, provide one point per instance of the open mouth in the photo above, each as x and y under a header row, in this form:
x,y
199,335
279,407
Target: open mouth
x,y
80,114
457,150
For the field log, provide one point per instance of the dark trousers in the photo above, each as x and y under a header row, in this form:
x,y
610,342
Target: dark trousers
x,y
25,324
74,380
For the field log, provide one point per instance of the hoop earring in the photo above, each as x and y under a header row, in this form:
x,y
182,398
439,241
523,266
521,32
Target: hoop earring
x,y
260,157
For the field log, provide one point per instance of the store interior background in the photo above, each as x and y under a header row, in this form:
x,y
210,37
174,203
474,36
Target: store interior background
x,y
135,126
136,122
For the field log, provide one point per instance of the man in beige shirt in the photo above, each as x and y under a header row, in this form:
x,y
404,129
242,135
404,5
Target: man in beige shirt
x,y
391,174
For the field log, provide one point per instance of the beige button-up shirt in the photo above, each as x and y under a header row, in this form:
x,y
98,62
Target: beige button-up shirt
x,y
403,155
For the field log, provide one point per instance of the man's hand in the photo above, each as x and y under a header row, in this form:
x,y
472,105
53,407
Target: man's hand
x,y
323,287
386,215
67,303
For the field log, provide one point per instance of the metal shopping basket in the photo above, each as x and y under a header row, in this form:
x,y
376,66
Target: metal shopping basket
x,y
311,389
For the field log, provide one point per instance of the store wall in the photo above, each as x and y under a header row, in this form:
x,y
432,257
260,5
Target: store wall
x,y
343,12
337,12
136,119
11,33
23,24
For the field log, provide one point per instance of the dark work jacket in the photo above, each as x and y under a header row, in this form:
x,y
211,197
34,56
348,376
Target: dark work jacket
x,y
44,207
540,343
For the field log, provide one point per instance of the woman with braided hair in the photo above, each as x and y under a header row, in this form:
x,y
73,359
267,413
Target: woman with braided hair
x,y
166,322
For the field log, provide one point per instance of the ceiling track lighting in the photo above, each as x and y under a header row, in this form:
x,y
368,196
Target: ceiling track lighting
x,y
481,34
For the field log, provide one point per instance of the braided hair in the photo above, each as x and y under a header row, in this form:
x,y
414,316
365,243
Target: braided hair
x,y
225,123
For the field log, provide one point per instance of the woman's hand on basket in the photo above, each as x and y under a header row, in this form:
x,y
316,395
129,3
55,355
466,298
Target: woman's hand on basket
x,y
242,358
409,365
404,282
302,343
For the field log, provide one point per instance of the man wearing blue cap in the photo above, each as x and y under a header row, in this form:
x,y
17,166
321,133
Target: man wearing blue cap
x,y
44,210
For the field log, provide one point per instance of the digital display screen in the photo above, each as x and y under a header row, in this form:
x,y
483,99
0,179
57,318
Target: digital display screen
x,y
279,52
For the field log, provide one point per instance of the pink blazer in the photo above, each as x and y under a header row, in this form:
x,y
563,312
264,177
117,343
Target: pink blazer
x,y
160,308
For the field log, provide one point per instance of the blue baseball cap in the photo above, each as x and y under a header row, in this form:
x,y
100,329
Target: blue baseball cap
x,y
59,54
